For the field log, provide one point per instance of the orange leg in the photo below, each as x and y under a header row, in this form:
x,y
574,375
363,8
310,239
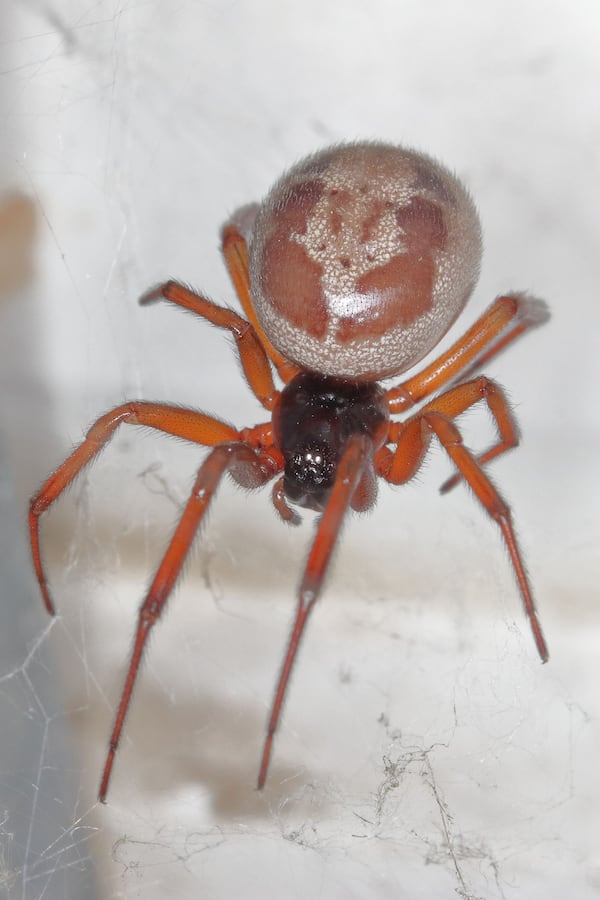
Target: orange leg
x,y
504,321
399,466
235,253
461,397
280,503
252,354
451,404
351,468
184,423
257,468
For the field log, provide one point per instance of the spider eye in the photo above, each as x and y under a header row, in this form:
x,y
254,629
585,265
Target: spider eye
x,y
309,475
312,465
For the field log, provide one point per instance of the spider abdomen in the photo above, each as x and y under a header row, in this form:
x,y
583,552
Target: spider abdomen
x,y
361,257
313,421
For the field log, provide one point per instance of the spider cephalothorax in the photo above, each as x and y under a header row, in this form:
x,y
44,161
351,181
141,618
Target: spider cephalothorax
x,y
315,418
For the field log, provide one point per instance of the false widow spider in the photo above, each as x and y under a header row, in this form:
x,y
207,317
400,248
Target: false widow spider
x,y
350,271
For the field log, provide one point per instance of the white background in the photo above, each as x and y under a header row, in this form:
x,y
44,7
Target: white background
x,y
424,751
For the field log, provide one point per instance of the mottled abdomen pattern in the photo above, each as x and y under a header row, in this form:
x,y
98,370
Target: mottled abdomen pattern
x,y
361,257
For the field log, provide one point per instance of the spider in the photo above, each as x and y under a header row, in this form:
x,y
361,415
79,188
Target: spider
x,y
349,272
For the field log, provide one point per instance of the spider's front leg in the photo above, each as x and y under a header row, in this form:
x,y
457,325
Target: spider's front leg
x,y
183,423
250,468
412,440
352,469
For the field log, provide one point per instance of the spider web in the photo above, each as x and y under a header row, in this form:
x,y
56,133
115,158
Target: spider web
x,y
424,752
45,827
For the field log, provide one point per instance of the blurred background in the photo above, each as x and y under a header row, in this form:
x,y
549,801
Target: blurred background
x,y
424,750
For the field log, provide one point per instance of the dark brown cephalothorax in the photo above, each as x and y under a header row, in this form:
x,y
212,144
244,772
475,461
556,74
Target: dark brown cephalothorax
x,y
314,420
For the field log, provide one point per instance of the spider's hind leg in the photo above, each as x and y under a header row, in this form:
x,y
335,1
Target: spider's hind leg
x,y
235,253
255,364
